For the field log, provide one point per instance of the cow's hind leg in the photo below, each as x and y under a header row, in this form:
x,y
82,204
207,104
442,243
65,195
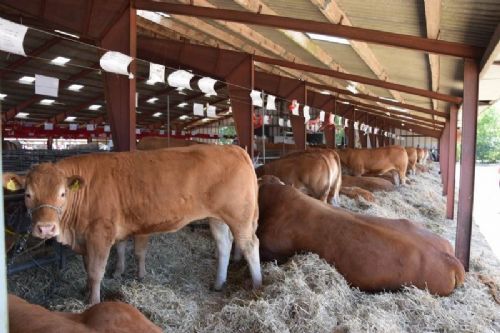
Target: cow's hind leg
x,y
120,260
250,248
222,236
140,248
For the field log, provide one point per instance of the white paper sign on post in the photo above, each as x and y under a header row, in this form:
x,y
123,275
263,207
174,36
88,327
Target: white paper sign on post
x,y
211,111
12,37
356,125
307,116
48,126
115,62
162,132
73,127
256,98
346,122
90,127
295,108
281,122
288,123
156,73
137,131
322,116
198,109
180,79
107,128
271,102
266,119
46,85
207,86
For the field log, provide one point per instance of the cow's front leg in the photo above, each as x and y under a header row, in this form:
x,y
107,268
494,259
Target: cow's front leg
x,y
222,236
97,257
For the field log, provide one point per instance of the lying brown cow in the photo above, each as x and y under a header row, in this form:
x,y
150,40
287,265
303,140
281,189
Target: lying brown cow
x,y
376,161
156,142
372,184
92,201
412,160
315,172
109,317
355,192
372,253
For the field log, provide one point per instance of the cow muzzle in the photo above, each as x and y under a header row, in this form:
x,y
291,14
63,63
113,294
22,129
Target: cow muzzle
x,y
45,230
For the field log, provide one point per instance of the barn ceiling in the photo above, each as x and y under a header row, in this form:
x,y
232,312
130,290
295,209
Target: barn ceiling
x,y
471,23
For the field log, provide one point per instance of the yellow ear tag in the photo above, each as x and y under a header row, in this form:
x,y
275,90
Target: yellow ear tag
x,y
11,185
75,186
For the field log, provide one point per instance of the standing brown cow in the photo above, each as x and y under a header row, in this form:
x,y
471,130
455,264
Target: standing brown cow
x,y
376,161
420,155
412,160
156,142
372,253
315,172
92,201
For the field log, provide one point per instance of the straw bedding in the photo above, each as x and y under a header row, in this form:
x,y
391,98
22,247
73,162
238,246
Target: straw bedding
x,y
303,295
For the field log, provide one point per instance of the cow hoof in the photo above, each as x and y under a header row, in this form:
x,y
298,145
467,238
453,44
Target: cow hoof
x,y
217,287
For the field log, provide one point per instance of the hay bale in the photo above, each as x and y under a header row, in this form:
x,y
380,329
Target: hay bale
x,y
305,294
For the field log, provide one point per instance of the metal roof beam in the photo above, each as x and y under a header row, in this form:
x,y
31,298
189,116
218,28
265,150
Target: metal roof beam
x,y
366,35
361,79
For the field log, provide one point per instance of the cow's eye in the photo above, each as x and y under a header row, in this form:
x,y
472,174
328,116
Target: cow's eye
x,y
63,194
28,195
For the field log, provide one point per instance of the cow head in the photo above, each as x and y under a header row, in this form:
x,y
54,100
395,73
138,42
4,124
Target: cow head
x,y
46,194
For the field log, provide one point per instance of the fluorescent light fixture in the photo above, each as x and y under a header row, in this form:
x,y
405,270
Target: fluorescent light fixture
x,y
326,38
411,130
344,102
163,14
157,114
152,100
181,105
324,92
67,34
22,115
389,99
70,118
2,96
388,113
27,79
47,101
184,117
402,124
75,87
60,61
352,88
205,120
95,107
396,108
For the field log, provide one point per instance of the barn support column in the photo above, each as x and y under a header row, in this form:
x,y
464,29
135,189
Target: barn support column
x,y
386,138
450,198
363,139
468,161
50,142
445,138
351,138
119,89
298,122
240,82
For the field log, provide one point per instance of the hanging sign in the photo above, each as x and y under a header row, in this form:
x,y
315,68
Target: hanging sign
x,y
116,62
12,37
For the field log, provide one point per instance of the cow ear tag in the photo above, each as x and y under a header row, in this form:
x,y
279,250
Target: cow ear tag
x,y
75,185
11,185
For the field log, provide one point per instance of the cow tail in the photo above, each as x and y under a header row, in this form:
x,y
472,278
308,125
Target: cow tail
x,y
338,181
